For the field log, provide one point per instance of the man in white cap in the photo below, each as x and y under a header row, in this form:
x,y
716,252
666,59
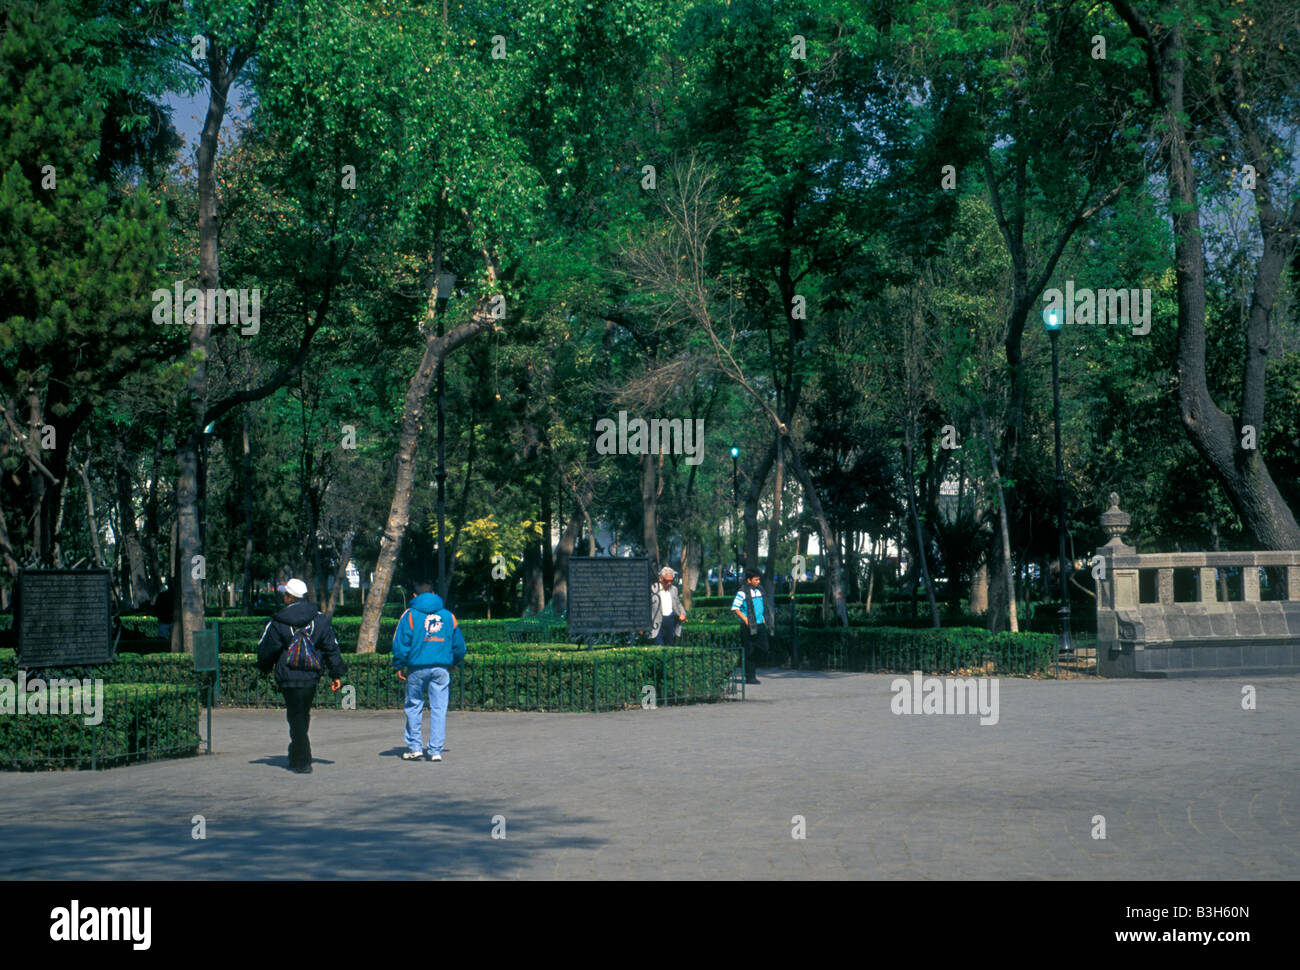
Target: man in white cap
x,y
297,643
666,610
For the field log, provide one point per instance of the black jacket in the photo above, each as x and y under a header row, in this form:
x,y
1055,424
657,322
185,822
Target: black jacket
x,y
278,633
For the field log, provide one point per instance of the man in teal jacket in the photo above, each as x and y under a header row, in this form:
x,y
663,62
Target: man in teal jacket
x,y
427,644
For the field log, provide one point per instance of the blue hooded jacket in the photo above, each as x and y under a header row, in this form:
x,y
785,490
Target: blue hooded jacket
x,y
427,635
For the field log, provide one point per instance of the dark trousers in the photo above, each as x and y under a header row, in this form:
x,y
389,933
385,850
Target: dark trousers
x,y
297,708
752,645
667,634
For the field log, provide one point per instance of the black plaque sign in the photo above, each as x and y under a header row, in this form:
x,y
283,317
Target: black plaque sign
x,y
608,595
64,617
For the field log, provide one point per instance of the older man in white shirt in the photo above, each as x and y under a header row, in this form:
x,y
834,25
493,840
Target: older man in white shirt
x,y
666,610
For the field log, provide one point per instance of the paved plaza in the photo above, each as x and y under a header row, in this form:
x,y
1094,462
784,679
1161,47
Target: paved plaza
x,y
1191,787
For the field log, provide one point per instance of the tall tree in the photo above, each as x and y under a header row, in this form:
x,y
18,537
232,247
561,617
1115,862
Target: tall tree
x,y
1238,68
76,254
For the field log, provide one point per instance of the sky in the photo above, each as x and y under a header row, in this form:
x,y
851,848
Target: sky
x,y
188,112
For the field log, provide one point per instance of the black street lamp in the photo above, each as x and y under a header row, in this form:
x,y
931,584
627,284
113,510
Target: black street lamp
x,y
1052,321
735,509
203,498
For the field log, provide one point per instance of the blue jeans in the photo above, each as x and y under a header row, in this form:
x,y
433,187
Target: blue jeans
x,y
435,683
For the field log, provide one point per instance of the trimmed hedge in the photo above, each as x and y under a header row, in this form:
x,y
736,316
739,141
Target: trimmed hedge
x,y
889,649
560,678
141,722
500,676
859,648
896,649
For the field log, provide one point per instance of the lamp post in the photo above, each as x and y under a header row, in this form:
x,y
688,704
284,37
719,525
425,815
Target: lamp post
x,y
735,509
203,495
1052,321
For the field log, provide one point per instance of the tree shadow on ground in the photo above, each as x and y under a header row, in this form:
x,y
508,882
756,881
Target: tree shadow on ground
x,y
424,836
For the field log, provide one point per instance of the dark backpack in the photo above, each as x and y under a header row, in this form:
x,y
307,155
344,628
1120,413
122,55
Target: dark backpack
x,y
300,654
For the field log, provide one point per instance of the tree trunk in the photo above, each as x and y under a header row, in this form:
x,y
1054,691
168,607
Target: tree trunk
x,y
220,74
649,507
749,557
1216,437
534,592
12,566
173,584
152,525
569,539
692,554
979,590
247,580
399,510
57,531
340,575
83,471
1005,530
1242,472
774,530
138,576
834,579
463,505
871,580
548,554
921,558
45,489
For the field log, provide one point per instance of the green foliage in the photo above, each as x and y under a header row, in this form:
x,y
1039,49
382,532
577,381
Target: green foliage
x,y
77,255
947,651
142,721
501,677
822,180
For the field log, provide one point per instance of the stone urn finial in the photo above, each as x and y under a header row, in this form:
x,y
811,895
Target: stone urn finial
x,y
1114,522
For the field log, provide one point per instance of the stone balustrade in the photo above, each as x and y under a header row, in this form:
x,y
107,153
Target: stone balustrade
x,y
1161,637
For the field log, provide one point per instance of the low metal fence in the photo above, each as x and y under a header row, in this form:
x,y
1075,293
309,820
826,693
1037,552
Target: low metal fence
x,y
134,722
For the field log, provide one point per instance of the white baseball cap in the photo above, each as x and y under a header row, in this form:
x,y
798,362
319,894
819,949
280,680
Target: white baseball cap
x,y
296,588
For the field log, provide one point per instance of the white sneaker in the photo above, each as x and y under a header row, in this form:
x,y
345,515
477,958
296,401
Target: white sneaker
x,y
410,756
435,756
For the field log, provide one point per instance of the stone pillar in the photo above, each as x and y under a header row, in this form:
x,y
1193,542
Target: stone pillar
x,y
1209,584
1250,584
1293,582
1126,589
1118,591
1165,583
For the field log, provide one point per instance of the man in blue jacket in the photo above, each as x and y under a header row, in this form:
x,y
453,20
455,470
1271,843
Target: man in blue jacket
x,y
428,643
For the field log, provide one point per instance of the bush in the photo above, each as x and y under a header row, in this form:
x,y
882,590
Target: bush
x,y
241,634
494,676
141,722
514,677
165,668
895,649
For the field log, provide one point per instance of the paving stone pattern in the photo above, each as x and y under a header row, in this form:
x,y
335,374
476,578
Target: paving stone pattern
x,y
1191,787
